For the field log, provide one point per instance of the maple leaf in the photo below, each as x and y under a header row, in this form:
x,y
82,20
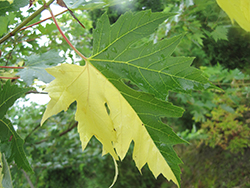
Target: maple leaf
x,y
220,33
238,10
115,128
116,114
35,67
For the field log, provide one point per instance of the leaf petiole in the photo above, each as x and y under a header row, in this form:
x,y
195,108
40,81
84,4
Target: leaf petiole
x,y
64,36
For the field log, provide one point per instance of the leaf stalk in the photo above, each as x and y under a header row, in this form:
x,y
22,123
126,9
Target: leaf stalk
x,y
64,36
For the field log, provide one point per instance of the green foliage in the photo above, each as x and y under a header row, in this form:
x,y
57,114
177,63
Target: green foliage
x,y
5,177
220,32
124,6
11,143
36,64
5,6
5,22
222,118
213,167
54,148
225,129
236,54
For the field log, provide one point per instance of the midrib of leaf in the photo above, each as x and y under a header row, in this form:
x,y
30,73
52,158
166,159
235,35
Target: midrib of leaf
x,y
19,149
13,134
138,99
121,36
138,58
5,101
152,70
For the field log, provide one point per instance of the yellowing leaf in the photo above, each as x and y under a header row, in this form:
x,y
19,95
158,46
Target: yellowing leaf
x,y
238,10
104,113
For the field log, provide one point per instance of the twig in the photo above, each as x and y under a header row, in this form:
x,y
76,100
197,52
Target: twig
x,y
62,4
43,20
69,129
32,132
9,67
61,134
10,78
36,92
27,20
28,179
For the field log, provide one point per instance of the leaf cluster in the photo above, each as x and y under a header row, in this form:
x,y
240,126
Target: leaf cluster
x,y
11,143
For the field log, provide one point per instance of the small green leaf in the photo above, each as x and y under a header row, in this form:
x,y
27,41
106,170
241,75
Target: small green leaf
x,y
5,181
9,93
16,144
220,32
5,6
36,65
5,22
8,136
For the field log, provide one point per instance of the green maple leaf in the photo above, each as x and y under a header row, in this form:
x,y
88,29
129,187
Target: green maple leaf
x,y
116,114
220,32
36,64
8,136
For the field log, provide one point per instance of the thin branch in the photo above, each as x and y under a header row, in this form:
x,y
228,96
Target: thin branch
x,y
61,134
27,20
43,20
36,127
36,92
11,78
9,67
63,35
28,179
69,129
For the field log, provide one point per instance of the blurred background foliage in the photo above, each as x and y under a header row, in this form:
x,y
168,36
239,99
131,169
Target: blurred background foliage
x,y
216,123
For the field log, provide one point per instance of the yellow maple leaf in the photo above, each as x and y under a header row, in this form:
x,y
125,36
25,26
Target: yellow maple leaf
x,y
238,10
104,113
